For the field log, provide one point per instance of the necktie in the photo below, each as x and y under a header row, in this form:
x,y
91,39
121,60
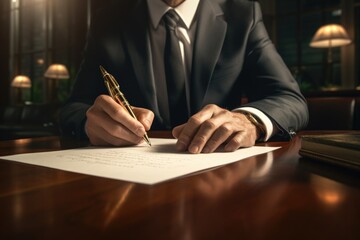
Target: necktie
x,y
175,70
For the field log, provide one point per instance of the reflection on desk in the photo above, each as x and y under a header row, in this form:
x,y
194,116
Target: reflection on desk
x,y
263,197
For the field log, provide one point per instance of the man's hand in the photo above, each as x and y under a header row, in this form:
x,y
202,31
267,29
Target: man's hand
x,y
108,123
213,126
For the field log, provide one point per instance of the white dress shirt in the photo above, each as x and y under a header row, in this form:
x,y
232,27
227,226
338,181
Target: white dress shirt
x,y
186,12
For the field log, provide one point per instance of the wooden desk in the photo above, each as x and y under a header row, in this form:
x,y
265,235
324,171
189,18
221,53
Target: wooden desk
x,y
273,196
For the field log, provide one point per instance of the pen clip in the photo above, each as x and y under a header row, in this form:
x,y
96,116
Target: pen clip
x,y
113,82
110,88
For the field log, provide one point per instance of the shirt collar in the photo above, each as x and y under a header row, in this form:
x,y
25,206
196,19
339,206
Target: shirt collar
x,y
186,11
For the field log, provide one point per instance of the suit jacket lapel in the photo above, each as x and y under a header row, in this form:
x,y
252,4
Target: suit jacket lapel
x,y
137,40
210,35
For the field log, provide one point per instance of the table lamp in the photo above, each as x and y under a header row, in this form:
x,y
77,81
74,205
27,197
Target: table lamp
x,y
330,36
19,83
54,72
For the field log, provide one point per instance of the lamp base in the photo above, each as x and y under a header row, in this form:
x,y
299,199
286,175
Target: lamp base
x,y
51,91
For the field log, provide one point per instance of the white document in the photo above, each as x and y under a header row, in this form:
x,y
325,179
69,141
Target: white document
x,y
141,164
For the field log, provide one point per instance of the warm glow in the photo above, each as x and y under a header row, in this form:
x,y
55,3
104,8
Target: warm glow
x,y
332,35
328,191
57,71
40,61
331,198
21,81
23,141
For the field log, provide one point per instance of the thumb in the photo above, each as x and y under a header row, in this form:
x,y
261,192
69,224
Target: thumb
x,y
144,116
177,130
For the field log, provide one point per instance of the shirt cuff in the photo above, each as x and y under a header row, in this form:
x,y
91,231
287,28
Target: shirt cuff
x,y
269,127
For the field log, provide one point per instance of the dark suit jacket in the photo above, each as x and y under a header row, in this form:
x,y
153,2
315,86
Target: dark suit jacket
x,y
232,57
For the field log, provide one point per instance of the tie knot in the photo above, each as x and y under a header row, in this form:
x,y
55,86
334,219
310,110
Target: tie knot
x,y
171,19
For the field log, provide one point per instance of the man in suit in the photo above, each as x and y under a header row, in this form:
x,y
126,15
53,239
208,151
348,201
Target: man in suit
x,y
227,55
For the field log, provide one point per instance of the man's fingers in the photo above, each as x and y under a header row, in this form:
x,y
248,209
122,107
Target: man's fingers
x,y
219,137
237,141
212,127
119,114
205,133
144,116
101,126
177,130
109,123
192,126
103,138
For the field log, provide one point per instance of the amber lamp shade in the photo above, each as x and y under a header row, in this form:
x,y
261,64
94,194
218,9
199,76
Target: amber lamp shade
x,y
21,81
332,35
57,71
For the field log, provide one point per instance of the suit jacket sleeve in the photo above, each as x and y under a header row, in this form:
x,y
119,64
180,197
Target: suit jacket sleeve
x,y
87,87
269,85
105,47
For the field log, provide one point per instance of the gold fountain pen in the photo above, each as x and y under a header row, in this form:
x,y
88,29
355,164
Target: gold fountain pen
x,y
114,91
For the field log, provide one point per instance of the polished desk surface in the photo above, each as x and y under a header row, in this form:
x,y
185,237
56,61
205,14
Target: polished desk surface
x,y
271,196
